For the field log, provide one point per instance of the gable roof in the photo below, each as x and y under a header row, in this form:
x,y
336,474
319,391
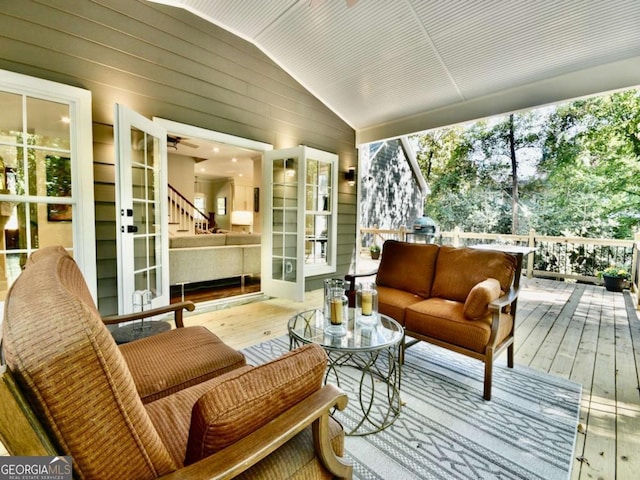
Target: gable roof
x,y
392,67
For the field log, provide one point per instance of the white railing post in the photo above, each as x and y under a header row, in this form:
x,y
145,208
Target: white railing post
x,y
531,256
455,241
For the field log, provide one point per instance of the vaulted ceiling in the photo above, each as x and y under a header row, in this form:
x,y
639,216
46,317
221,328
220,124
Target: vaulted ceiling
x,y
392,67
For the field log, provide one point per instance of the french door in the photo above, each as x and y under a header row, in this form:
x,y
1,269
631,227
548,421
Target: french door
x,y
300,221
283,247
141,204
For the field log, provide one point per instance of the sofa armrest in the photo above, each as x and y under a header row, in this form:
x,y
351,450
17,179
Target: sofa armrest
x,y
507,299
240,456
176,308
351,277
351,290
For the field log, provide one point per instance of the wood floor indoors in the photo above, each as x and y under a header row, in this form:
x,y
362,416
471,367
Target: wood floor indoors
x,y
580,332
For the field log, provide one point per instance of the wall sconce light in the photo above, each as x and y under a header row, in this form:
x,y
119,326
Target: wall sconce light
x,y
350,176
289,167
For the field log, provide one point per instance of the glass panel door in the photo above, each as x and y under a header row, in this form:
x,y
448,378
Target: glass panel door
x,y
283,222
142,202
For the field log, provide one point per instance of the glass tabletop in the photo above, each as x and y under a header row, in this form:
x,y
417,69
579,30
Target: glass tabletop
x,y
309,327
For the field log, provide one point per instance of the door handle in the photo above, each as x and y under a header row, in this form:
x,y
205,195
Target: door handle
x,y
130,229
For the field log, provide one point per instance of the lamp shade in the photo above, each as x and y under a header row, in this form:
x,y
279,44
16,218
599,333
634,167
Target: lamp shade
x,y
241,217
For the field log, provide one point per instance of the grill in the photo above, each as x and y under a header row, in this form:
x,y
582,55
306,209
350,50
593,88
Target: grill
x,y
425,227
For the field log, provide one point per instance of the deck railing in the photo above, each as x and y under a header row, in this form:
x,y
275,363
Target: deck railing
x,y
577,258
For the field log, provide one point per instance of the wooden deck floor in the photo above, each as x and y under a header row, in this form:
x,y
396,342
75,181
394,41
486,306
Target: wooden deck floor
x,y
579,332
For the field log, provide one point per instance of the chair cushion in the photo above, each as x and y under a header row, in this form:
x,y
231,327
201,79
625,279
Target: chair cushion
x,y
240,404
295,459
171,361
73,374
458,270
408,267
444,320
479,298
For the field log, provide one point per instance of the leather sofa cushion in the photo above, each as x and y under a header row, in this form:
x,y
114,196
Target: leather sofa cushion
x,y
197,355
393,302
458,270
444,320
408,267
240,404
479,298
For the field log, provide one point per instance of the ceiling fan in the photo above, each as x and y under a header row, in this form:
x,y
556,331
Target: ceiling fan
x,y
173,141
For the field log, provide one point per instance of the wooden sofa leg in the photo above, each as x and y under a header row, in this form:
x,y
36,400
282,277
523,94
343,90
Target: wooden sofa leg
x,y
488,375
510,351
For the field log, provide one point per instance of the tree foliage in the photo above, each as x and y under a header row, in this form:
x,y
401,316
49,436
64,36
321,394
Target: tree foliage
x,y
572,169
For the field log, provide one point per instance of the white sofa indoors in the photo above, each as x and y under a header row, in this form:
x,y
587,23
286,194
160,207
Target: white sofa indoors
x,y
204,257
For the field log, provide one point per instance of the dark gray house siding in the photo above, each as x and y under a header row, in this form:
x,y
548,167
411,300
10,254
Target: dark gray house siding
x,y
390,194
168,63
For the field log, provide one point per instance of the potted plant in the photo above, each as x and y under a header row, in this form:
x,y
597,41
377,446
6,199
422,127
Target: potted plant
x,y
375,251
614,278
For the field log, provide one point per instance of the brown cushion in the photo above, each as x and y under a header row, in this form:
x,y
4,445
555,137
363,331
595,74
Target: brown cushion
x,y
475,307
393,302
239,405
458,270
171,361
171,415
443,319
407,266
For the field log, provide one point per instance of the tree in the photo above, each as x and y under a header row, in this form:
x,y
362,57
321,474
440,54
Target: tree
x,y
572,169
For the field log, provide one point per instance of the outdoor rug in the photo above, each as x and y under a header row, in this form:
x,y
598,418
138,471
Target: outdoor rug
x,y
447,431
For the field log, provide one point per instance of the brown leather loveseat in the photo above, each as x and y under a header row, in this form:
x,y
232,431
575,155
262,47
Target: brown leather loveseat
x,y
462,299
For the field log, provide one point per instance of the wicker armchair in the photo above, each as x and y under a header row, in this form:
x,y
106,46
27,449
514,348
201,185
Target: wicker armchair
x,y
68,389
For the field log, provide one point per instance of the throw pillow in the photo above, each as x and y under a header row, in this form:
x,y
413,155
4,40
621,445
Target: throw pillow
x,y
241,404
479,298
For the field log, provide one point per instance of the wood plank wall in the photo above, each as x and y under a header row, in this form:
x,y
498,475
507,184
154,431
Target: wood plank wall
x,y
166,62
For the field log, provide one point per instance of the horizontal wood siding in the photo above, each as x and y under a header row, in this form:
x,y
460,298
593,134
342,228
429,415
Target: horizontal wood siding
x,y
166,62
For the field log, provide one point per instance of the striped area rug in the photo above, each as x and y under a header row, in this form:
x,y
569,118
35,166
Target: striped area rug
x,y
447,431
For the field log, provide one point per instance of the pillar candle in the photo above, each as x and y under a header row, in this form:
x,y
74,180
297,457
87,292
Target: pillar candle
x,y
367,303
336,311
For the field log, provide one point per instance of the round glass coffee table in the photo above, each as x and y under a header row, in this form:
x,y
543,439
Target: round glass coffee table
x,y
364,362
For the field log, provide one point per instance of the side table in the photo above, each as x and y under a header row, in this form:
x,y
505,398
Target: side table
x,y
367,359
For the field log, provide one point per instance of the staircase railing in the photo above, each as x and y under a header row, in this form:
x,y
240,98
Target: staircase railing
x,y
185,214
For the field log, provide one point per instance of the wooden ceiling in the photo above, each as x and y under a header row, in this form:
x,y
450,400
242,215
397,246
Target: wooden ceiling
x,y
392,67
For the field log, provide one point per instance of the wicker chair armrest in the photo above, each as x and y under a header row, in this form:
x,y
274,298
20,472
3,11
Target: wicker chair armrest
x,y
176,308
243,454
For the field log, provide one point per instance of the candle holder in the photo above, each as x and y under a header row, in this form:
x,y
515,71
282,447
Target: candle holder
x,y
329,285
338,312
367,304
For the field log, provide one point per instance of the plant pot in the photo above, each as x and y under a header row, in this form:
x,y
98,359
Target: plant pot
x,y
375,255
613,284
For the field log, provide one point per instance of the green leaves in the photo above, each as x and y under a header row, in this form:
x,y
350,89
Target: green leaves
x,y
577,170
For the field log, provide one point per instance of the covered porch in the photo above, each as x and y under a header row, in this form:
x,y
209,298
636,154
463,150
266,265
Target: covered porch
x,y
579,332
